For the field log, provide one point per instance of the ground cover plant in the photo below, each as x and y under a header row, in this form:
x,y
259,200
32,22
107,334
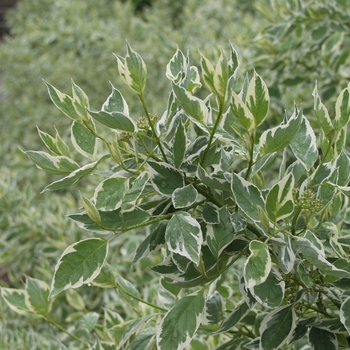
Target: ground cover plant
x,y
237,230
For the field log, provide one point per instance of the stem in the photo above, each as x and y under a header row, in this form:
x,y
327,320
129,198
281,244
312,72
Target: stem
x,y
61,328
141,300
152,127
250,165
216,125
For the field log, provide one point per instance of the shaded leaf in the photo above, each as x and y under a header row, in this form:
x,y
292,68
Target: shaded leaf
x,y
321,339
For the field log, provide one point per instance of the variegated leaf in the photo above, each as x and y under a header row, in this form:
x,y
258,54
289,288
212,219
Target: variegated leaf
x,y
116,103
38,296
179,325
322,339
54,144
220,235
276,328
165,178
279,137
184,236
242,113
342,109
83,140
304,144
321,112
258,99
17,300
279,200
258,265
345,314
184,197
177,67
247,196
193,106
79,264
110,192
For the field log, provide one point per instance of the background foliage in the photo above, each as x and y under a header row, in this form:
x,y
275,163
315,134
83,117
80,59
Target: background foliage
x,y
60,40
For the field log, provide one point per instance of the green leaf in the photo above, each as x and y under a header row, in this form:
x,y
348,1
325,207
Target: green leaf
x,y
179,145
321,339
134,327
184,197
179,325
116,103
279,137
126,290
345,314
54,144
63,102
132,194
132,69
91,210
165,178
144,341
213,309
73,177
16,299
176,68
321,112
247,196
210,213
106,278
79,264
38,296
242,113
183,236
83,140
342,109
279,200
257,99
153,242
57,165
317,257
115,120
193,106
88,321
220,235
208,73
271,292
286,255
277,327
258,265
234,317
110,192
304,144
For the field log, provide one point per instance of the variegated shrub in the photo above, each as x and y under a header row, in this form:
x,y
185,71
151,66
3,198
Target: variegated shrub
x,y
247,226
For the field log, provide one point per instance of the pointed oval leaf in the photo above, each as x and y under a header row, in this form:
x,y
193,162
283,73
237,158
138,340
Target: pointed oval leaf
x,y
234,317
17,300
242,113
247,196
179,325
258,99
345,314
184,197
258,265
116,103
176,68
304,144
179,145
115,120
62,101
79,264
320,339
83,140
110,192
276,328
220,235
280,136
321,112
165,178
193,106
57,165
38,296
279,201
342,109
183,236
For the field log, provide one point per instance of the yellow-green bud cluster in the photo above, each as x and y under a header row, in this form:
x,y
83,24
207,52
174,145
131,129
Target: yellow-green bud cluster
x,y
142,122
308,202
124,136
